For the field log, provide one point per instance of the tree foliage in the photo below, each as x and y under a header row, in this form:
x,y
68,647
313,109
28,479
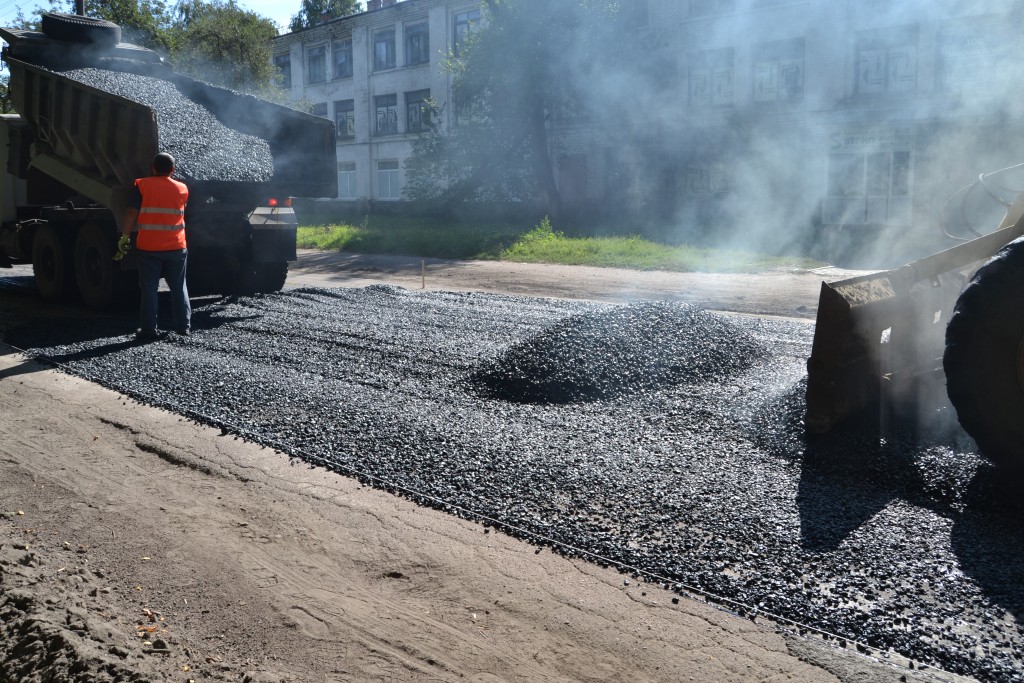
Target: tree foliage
x,y
213,40
520,70
219,42
313,12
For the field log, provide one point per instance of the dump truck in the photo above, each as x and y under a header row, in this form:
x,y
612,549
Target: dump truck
x,y
70,155
956,315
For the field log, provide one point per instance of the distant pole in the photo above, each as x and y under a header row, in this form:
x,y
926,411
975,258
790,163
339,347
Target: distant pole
x,y
423,274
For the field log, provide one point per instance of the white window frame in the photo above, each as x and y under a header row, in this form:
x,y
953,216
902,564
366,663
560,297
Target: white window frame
x,y
388,180
348,180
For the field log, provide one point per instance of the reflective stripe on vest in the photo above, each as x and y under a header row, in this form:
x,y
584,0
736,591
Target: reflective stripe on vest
x,y
161,221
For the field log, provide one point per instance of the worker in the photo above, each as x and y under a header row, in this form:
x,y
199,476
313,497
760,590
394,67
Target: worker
x,y
156,206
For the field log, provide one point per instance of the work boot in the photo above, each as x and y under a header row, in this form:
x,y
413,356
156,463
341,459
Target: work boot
x,y
146,335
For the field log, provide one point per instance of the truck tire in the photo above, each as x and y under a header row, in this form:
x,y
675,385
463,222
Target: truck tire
x,y
984,358
97,274
51,264
270,277
259,278
78,29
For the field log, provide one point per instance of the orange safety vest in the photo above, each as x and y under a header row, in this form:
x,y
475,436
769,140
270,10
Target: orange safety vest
x,y
161,221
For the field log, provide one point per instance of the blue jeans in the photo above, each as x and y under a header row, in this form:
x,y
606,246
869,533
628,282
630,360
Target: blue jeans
x,y
169,265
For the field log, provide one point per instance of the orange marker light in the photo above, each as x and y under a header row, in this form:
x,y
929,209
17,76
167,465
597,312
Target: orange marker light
x,y
271,202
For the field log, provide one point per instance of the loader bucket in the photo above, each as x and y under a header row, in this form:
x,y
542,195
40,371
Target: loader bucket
x,y
881,331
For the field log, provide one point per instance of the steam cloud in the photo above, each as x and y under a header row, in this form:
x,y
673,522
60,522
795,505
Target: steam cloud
x,y
753,172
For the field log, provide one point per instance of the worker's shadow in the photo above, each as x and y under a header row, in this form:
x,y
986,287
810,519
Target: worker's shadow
x,y
76,335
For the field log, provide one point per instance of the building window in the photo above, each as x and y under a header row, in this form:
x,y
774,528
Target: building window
x,y
465,23
779,71
348,188
417,111
345,119
887,61
703,8
387,114
319,109
384,49
341,51
316,64
417,44
284,67
387,180
868,188
711,78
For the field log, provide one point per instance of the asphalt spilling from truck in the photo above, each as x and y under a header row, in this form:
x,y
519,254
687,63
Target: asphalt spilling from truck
x,y
654,437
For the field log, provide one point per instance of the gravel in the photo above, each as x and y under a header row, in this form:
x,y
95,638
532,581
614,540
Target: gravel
x,y
698,475
204,149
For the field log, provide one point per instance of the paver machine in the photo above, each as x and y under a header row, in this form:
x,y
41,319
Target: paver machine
x,y
72,152
958,313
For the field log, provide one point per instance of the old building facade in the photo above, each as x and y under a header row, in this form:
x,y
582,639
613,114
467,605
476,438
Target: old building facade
x,y
373,73
852,114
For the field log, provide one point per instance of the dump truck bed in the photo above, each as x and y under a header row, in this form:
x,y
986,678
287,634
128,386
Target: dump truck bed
x,y
96,141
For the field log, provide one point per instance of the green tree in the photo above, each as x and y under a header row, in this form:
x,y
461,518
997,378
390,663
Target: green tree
x,y
315,12
219,42
519,70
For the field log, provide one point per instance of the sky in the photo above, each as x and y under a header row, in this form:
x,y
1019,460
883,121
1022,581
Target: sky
x,y
279,11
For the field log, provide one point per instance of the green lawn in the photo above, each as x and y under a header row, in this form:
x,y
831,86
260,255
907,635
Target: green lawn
x,y
539,244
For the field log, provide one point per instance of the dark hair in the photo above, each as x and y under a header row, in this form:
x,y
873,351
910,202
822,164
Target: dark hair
x,y
163,163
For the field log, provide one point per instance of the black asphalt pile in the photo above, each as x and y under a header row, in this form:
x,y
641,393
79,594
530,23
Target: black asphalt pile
x,y
601,355
204,149
903,541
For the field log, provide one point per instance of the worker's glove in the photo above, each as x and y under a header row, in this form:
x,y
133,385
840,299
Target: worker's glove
x,y
122,247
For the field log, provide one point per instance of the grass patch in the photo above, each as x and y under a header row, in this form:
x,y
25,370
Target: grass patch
x,y
541,244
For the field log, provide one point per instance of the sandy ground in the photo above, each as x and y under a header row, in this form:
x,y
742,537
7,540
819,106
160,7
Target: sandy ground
x,y
136,545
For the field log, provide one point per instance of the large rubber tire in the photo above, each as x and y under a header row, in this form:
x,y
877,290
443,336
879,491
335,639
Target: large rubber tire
x,y
78,29
97,274
51,264
259,278
270,277
984,358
